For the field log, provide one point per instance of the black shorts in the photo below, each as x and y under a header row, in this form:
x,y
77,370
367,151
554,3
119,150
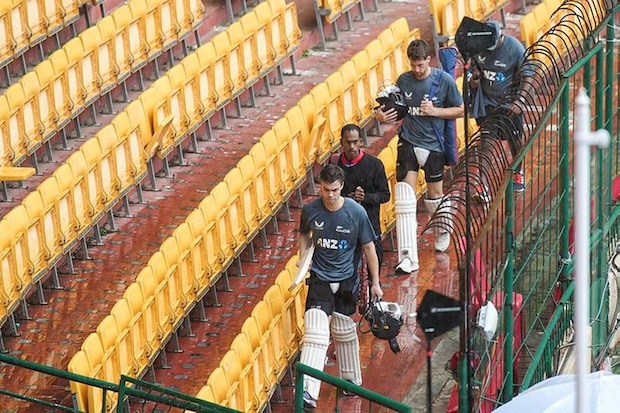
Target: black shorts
x,y
320,295
407,161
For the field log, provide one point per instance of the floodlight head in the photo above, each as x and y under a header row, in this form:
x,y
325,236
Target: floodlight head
x,y
487,320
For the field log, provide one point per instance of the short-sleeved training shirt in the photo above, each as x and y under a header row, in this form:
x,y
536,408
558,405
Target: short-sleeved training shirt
x,y
417,129
336,235
498,69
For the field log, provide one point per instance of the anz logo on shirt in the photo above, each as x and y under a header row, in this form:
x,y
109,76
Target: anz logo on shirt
x,y
416,111
332,244
493,76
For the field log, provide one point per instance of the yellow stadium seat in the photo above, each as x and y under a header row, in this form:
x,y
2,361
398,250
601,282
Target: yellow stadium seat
x,y
129,39
168,24
279,330
192,269
234,59
147,11
93,350
142,350
153,333
29,217
192,232
86,210
55,234
269,341
114,174
166,304
117,47
155,308
213,240
86,53
124,344
206,86
222,83
252,389
230,218
274,22
103,57
53,12
74,53
289,157
63,104
349,99
99,196
79,365
36,22
178,301
266,170
6,49
263,365
71,10
17,227
194,107
262,43
20,33
11,283
23,104
231,365
108,333
14,146
376,77
282,176
292,32
206,393
529,32
219,386
244,355
36,110
240,182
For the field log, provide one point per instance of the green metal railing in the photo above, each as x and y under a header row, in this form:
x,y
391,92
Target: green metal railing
x,y
131,392
373,397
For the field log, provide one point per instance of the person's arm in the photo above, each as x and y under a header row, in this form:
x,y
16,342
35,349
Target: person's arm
x,y
386,116
304,242
373,266
381,194
455,112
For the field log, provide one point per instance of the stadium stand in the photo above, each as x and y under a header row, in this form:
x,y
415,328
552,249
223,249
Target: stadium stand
x,y
330,11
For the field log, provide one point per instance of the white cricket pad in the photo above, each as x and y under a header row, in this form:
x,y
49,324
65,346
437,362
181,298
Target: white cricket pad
x,y
346,343
406,227
444,217
314,347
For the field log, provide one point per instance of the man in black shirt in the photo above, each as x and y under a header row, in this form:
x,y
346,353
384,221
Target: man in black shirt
x,y
365,179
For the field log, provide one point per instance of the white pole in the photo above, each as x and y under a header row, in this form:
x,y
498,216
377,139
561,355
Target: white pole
x,y
584,139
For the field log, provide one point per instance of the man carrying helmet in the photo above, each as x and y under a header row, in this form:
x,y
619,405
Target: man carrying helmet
x,y
432,98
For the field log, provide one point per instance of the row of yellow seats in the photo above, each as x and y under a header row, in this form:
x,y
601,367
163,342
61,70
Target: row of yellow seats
x,y
347,95
562,25
68,204
92,182
222,69
539,21
46,99
24,24
447,14
330,10
200,250
262,352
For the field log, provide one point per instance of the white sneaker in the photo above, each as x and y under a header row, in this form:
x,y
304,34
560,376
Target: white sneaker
x,y
309,401
442,240
406,266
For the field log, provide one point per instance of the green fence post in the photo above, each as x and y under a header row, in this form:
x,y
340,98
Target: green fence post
x,y
508,288
565,174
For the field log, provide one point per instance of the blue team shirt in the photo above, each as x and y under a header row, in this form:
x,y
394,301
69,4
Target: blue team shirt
x,y
336,236
416,129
